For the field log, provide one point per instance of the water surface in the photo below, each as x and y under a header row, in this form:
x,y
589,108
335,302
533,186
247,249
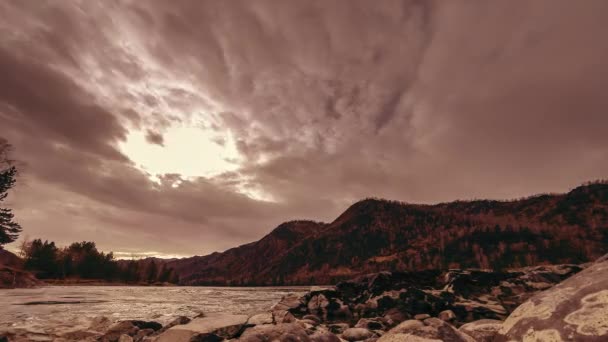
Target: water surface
x,y
57,309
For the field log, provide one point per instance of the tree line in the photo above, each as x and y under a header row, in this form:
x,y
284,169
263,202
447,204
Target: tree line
x,y
82,260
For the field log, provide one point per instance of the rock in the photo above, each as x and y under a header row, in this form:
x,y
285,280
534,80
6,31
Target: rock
x,y
125,338
308,323
338,328
393,317
178,321
431,330
357,334
223,326
263,318
422,317
80,335
324,336
447,315
147,325
314,318
483,330
100,324
288,302
456,296
118,329
337,309
318,304
143,333
206,338
479,308
576,309
282,316
371,323
284,332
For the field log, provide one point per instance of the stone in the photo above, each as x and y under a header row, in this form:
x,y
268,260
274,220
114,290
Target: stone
x,y
283,316
483,330
224,326
337,309
125,338
576,309
431,329
422,317
100,324
317,303
371,323
324,336
357,334
394,316
118,329
288,302
314,318
143,333
80,335
284,332
206,338
308,323
337,328
178,321
147,325
447,315
263,318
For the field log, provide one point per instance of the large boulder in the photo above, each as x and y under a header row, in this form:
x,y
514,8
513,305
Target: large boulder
x,y
357,334
262,318
275,332
177,321
483,330
289,302
324,336
129,328
282,316
574,310
429,330
206,328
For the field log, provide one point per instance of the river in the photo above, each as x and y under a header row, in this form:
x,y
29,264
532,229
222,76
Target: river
x,y
57,309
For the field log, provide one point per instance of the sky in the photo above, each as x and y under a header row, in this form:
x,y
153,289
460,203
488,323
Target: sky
x,y
177,128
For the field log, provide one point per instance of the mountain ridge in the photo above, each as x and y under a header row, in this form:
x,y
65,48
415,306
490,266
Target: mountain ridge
x,y
375,235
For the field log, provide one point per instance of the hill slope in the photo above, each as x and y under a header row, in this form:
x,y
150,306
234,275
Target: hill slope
x,y
375,235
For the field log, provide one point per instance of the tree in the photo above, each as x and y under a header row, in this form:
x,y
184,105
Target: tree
x,y
9,230
151,272
165,274
41,257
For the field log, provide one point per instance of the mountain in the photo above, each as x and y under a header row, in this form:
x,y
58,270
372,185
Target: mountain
x,y
380,235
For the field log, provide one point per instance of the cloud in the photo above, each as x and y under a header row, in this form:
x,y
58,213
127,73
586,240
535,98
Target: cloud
x,y
154,138
325,102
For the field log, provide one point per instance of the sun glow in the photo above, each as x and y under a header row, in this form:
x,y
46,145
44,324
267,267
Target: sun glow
x,y
188,151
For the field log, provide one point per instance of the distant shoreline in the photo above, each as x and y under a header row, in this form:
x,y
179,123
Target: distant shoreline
x,y
97,282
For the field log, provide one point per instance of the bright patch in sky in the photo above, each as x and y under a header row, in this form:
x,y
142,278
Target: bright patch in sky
x,y
188,151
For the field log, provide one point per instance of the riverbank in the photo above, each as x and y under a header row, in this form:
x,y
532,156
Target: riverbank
x,y
550,302
11,278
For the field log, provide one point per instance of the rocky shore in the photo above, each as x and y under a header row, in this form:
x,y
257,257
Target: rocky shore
x,y
544,303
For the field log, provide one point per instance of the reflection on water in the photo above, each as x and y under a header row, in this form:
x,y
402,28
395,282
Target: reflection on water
x,y
52,310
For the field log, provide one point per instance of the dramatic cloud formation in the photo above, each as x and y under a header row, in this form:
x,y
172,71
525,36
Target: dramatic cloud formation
x,y
185,127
